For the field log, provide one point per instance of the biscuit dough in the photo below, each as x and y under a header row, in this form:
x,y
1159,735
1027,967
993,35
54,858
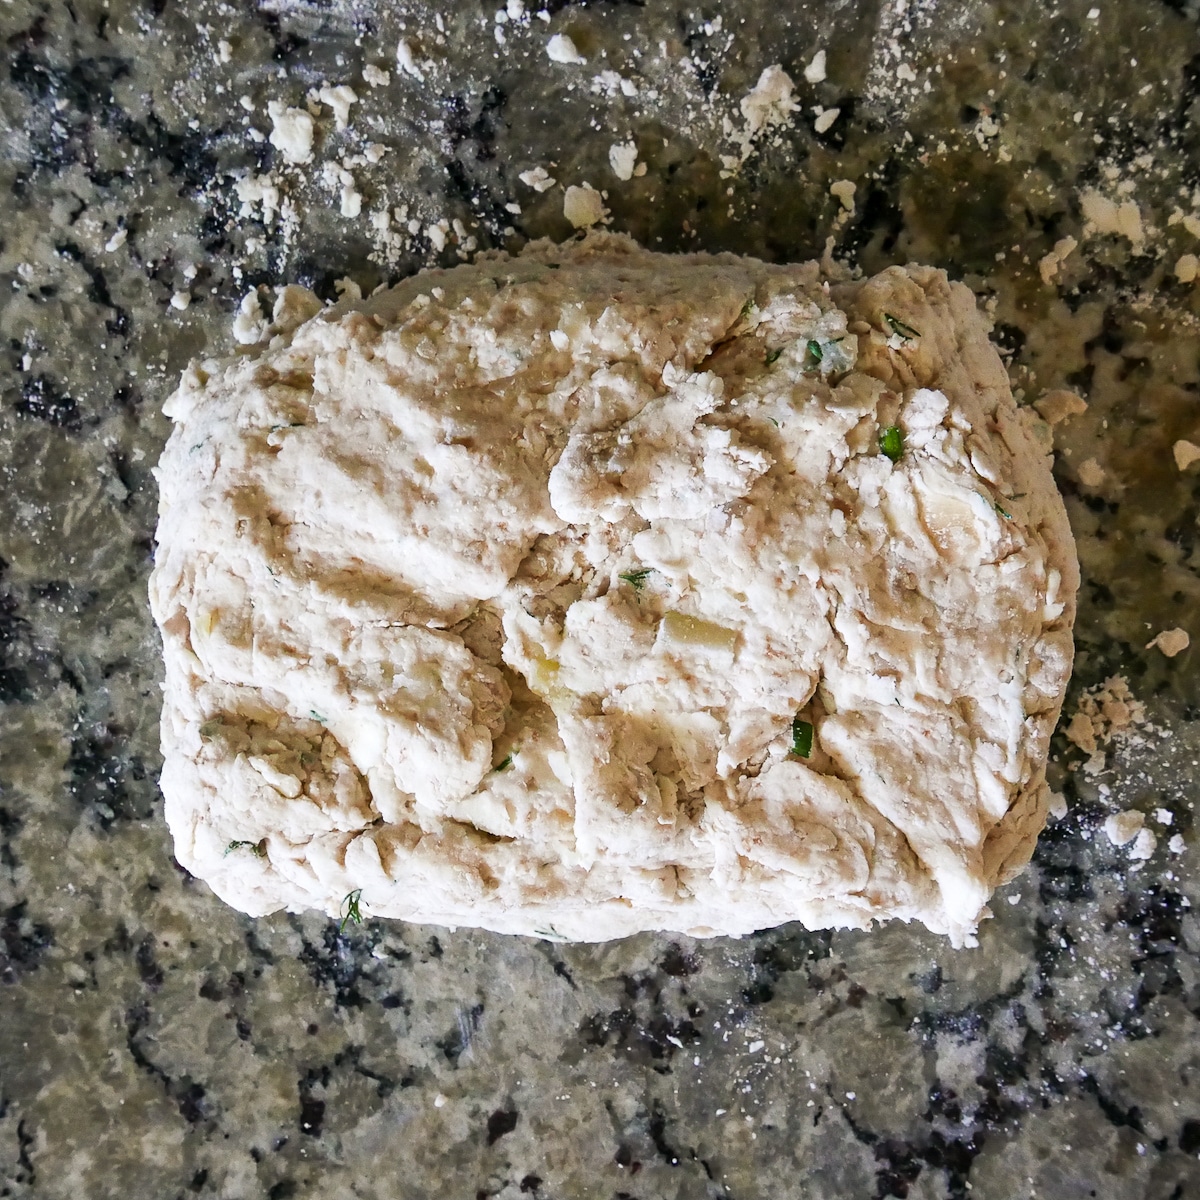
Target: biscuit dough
x,y
506,595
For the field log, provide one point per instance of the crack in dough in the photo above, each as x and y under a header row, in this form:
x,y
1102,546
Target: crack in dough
x,y
496,596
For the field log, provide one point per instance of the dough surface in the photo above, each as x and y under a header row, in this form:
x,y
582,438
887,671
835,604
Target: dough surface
x,y
506,595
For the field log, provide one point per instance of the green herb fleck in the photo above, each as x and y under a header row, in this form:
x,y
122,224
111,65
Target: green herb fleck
x,y
772,355
353,912
1003,511
898,327
504,763
814,350
773,422
747,309
636,579
802,737
258,849
550,934
316,716
891,442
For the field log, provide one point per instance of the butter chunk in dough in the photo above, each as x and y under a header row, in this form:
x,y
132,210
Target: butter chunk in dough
x,y
496,596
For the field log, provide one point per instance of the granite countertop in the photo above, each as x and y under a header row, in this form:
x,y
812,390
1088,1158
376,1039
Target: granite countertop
x,y
155,1043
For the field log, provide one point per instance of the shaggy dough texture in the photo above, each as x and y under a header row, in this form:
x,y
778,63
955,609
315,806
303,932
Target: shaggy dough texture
x,y
496,596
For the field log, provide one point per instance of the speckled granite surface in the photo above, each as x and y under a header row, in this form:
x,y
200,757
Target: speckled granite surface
x,y
153,1043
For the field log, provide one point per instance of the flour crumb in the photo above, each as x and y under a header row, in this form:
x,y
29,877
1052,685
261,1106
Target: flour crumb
x,y
1187,266
350,201
339,99
815,71
1177,845
1057,405
1143,846
1185,453
1171,642
844,190
261,190
224,52
622,157
825,119
181,300
291,132
538,178
561,49
117,240
249,325
1091,473
1164,816
1049,264
1121,828
1103,216
1104,711
768,105
583,206
1057,805
406,60
376,76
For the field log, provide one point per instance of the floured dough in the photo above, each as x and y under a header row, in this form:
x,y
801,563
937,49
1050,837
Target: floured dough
x,y
506,595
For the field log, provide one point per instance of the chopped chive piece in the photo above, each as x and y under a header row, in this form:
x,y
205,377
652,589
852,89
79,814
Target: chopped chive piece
x,y
316,716
353,912
1003,511
504,763
772,355
773,422
747,308
802,737
636,579
891,442
258,849
814,350
897,326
